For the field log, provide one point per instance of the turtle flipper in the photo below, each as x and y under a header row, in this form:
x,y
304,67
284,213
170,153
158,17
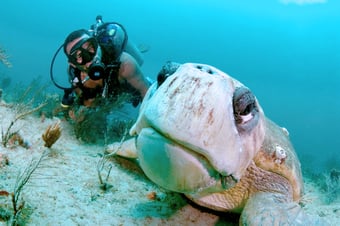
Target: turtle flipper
x,y
125,149
267,209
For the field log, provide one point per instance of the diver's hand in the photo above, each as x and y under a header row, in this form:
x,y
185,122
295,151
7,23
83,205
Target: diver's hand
x,y
77,115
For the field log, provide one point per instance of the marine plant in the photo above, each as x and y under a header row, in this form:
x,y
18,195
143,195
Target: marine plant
x,y
50,136
102,124
331,185
12,215
101,165
4,58
28,94
22,179
26,102
21,112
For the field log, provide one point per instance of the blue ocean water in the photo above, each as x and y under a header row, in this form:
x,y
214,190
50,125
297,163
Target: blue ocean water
x,y
286,51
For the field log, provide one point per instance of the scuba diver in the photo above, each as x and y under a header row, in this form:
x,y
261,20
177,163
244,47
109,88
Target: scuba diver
x,y
102,64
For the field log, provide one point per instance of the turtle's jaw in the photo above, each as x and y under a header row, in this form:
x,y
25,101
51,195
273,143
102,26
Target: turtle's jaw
x,y
177,168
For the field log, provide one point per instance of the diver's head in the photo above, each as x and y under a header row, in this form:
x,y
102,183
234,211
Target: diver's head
x,y
80,48
84,53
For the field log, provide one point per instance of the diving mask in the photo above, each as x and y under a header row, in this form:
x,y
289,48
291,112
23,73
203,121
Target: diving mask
x,y
81,53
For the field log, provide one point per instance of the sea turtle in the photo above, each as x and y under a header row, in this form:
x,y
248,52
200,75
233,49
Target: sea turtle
x,y
202,133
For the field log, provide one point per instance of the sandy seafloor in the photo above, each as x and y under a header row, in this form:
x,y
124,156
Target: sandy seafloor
x,y
65,188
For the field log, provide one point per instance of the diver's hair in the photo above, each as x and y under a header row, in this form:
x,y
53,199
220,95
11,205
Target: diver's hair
x,y
74,35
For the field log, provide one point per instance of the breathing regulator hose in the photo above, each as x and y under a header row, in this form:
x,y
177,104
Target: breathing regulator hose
x,y
68,97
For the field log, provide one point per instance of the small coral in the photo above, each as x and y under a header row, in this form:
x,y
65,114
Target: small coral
x,y
52,134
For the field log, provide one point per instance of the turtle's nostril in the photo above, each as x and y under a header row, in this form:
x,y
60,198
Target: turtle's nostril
x,y
205,68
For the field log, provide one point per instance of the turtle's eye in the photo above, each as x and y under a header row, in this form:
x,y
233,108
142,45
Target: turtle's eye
x,y
167,70
245,109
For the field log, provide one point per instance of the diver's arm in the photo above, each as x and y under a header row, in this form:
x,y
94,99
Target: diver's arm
x,y
131,72
133,50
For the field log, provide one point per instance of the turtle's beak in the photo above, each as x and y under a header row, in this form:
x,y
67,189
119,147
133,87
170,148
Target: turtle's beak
x,y
176,168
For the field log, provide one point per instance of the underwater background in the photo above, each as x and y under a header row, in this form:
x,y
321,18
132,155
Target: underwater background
x,y
286,51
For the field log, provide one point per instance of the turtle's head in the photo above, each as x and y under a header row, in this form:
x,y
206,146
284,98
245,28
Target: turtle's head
x,y
199,127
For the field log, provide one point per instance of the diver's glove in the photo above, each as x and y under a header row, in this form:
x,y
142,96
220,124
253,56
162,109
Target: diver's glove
x,y
68,98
